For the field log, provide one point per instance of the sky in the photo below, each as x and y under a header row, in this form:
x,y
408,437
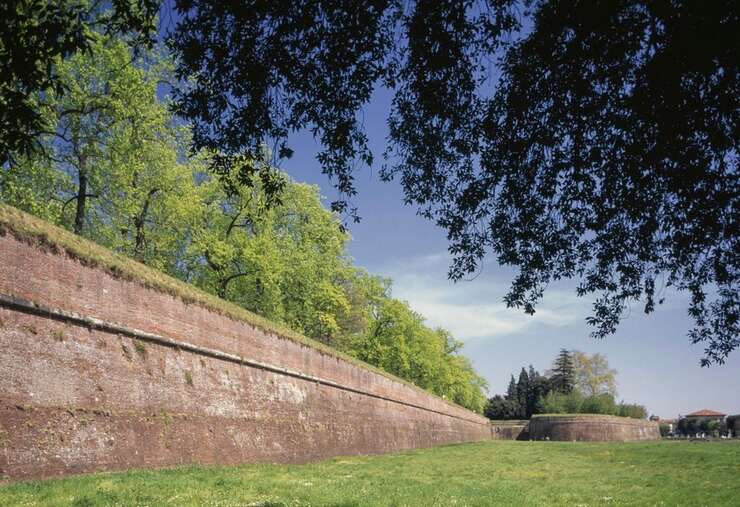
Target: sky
x,y
656,364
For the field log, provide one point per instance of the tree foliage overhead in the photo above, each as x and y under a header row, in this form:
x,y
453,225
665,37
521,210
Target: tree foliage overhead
x,y
594,140
35,36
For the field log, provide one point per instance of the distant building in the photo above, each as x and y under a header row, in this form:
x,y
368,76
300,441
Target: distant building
x,y
707,414
700,422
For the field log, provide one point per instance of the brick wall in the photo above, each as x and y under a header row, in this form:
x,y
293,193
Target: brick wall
x,y
592,428
510,430
102,373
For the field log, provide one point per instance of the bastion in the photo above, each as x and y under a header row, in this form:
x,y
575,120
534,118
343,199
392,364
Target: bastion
x,y
591,428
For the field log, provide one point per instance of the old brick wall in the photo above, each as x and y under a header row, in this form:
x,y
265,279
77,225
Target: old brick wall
x,y
102,373
510,430
592,428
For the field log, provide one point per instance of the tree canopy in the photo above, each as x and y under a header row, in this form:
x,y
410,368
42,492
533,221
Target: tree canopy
x,y
592,140
34,36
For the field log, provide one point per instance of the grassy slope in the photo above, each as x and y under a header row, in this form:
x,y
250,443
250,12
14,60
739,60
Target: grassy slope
x,y
489,473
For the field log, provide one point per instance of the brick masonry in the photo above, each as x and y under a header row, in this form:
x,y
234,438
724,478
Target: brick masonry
x,y
592,428
509,430
92,378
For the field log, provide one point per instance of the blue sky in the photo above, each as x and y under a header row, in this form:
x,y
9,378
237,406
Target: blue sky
x,y
656,364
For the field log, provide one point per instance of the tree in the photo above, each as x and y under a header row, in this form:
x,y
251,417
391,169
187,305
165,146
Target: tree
x,y
599,404
606,152
501,409
112,167
511,390
593,376
400,343
523,391
563,375
556,402
539,386
35,36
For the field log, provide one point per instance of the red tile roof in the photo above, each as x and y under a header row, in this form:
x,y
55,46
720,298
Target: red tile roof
x,y
705,413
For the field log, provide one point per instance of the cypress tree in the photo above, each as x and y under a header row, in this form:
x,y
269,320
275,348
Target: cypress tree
x,y
523,390
538,389
563,372
511,390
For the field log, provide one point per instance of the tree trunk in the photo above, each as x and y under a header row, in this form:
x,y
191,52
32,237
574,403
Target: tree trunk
x,y
139,223
81,195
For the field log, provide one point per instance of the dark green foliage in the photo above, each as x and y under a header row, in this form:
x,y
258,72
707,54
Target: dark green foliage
x,y
523,397
283,66
686,426
607,151
539,386
713,427
664,430
563,372
523,392
499,408
733,422
511,390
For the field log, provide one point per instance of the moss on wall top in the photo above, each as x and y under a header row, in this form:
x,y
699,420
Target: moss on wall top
x,y
621,419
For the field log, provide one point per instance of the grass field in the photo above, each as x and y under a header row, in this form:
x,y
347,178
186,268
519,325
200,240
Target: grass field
x,y
490,473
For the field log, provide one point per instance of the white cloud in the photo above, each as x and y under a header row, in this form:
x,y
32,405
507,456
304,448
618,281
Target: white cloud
x,y
474,309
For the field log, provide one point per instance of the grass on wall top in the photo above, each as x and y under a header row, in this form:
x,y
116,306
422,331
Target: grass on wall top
x,y
33,230
587,416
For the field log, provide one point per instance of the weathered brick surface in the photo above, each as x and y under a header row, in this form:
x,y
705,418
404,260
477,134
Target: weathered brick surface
x,y
592,428
509,430
74,399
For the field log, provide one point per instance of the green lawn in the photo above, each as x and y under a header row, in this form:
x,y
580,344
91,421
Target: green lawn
x,y
490,473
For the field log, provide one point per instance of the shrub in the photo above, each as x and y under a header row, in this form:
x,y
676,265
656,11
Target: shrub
x,y
599,404
560,403
664,429
575,403
632,410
